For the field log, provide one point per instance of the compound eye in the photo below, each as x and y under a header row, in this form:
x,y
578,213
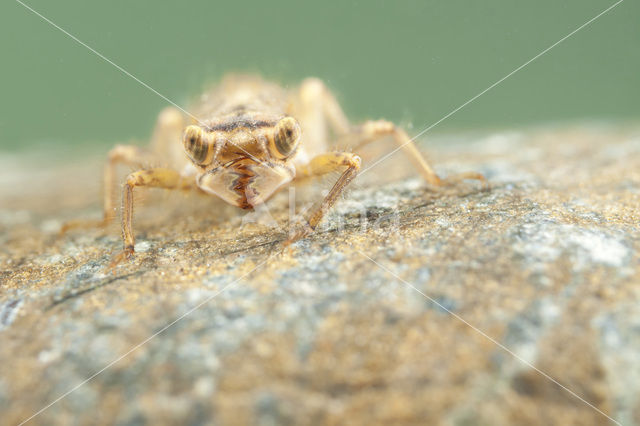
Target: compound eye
x,y
196,146
286,137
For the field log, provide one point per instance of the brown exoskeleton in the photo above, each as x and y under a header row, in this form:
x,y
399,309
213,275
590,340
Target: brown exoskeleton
x,y
253,137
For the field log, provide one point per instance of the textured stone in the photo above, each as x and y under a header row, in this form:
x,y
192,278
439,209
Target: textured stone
x,y
546,262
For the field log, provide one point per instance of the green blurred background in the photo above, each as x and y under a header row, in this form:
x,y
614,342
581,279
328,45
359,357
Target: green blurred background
x,y
409,61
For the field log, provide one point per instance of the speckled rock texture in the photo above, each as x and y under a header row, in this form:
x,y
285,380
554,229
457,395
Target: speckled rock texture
x,y
385,316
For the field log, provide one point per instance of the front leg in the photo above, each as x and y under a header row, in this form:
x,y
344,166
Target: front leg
x,y
155,178
321,165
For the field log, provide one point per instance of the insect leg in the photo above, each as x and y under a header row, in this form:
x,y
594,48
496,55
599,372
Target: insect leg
x,y
371,131
316,97
319,114
321,165
319,110
130,155
156,178
167,134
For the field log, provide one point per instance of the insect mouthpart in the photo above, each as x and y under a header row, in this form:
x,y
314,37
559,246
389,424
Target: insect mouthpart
x,y
244,182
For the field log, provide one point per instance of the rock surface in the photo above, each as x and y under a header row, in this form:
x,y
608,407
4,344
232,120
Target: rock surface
x,y
385,316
